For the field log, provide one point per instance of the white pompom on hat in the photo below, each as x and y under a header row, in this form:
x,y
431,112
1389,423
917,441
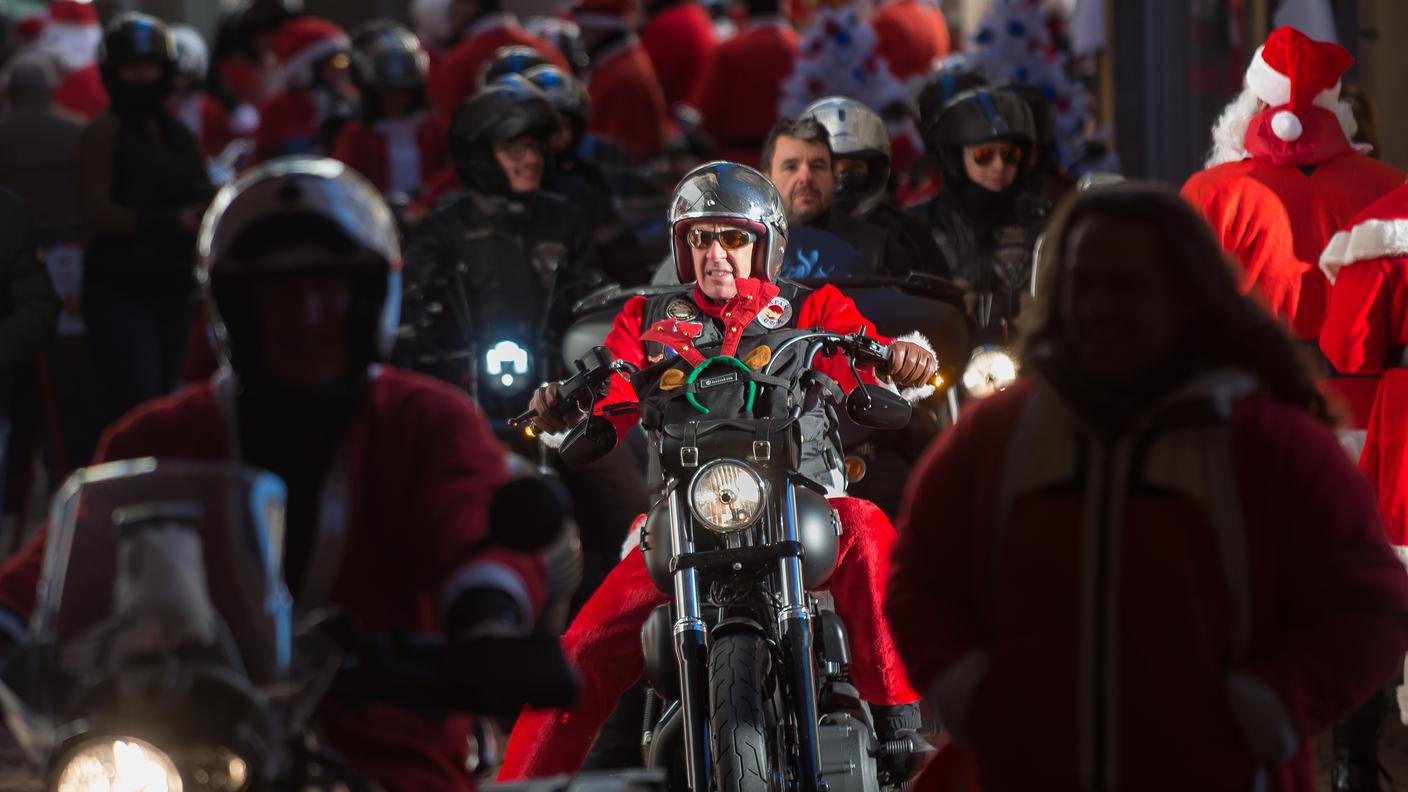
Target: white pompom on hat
x,y
1291,73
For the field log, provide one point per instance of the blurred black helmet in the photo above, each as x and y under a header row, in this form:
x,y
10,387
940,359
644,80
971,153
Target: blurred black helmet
x,y
940,87
513,59
135,38
1043,117
265,16
510,108
980,116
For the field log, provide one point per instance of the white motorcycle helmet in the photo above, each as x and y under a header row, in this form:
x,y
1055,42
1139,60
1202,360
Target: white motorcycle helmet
x,y
287,200
727,191
856,132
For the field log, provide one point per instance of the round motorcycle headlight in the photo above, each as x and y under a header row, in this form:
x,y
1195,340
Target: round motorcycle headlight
x,y
110,764
726,496
506,367
991,369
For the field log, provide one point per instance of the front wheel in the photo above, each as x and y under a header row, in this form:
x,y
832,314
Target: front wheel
x,y
738,665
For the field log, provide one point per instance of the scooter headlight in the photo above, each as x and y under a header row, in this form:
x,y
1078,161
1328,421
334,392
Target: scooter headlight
x,y
506,367
727,496
990,370
110,764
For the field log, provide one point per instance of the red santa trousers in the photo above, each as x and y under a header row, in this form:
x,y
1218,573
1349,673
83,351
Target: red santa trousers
x,y
603,645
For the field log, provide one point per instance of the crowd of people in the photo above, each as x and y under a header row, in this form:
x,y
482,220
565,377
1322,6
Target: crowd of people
x,y
349,257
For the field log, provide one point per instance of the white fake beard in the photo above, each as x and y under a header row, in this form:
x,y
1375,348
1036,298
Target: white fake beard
x,y
1230,132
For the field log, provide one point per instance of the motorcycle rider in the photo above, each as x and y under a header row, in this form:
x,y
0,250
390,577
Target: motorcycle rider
x,y
582,181
389,473
729,231
797,158
197,108
494,272
860,150
396,143
317,95
986,218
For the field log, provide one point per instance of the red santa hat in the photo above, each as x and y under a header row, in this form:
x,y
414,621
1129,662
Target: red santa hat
x,y
73,12
71,32
302,42
1380,231
28,30
605,14
1294,72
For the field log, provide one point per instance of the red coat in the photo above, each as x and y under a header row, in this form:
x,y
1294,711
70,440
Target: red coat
x,y
367,149
744,88
913,35
1275,220
603,642
244,79
628,104
680,40
422,463
82,92
1365,333
208,121
1233,548
288,124
456,77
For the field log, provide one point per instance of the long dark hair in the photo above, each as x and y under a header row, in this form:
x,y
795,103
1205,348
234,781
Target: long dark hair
x,y
1227,329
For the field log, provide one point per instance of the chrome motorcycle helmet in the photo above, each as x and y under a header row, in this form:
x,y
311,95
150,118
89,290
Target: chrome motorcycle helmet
x,y
856,133
253,228
192,54
727,191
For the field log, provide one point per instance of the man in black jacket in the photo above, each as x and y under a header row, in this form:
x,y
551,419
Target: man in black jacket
x,y
29,308
491,278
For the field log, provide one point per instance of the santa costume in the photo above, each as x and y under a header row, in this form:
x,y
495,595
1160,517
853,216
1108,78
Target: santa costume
x,y
1365,333
913,37
71,33
603,642
456,77
1283,179
292,121
201,112
628,103
680,39
740,97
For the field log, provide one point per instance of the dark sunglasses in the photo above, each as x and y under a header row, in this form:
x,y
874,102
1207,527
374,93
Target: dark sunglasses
x,y
1011,155
729,238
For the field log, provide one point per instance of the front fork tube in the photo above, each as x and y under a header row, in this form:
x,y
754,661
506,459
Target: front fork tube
x,y
795,628
692,651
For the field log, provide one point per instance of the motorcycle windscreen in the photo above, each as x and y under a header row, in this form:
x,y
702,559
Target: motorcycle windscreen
x,y
171,555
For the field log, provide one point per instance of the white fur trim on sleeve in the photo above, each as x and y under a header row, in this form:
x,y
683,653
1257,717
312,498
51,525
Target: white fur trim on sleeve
x,y
1402,553
554,439
1371,239
492,574
921,392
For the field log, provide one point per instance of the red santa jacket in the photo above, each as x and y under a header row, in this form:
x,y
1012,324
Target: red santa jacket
x,y
1276,219
1104,604
456,77
912,35
288,124
825,308
628,104
743,88
1365,333
680,41
368,148
421,465
207,120
82,92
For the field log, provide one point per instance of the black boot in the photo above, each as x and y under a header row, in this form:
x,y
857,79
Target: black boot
x,y
901,748
1356,736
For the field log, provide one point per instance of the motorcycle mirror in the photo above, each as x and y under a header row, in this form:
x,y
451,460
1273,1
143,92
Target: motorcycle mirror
x,y
877,407
527,514
590,440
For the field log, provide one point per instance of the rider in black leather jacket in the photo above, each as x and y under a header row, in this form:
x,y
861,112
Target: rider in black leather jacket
x,y
491,276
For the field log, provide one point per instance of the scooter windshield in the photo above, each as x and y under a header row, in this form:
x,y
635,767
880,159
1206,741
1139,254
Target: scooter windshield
x,y
150,557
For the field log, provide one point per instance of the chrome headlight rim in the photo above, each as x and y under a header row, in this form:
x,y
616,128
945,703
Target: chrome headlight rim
x,y
981,386
751,475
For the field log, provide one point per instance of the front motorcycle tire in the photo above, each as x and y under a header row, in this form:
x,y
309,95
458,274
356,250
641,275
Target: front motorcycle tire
x,y
738,665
